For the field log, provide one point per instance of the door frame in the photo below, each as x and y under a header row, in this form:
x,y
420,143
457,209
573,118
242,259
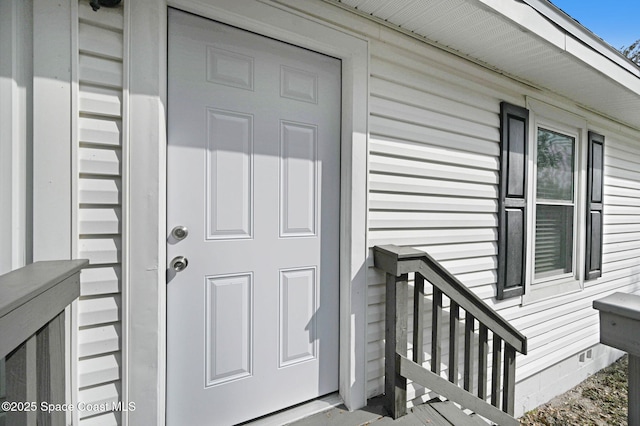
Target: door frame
x,y
144,127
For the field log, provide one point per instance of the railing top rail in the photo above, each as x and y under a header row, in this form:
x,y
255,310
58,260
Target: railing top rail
x,y
402,260
623,304
32,296
19,286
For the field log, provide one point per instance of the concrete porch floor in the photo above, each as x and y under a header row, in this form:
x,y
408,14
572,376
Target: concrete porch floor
x,y
432,413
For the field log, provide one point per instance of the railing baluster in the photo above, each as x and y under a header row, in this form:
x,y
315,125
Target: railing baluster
x,y
469,328
399,369
508,394
483,352
436,337
454,331
396,343
22,382
418,319
50,369
496,371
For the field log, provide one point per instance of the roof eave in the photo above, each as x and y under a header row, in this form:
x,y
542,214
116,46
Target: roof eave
x,y
583,34
556,27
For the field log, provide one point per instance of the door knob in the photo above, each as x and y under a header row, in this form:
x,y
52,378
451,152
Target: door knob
x,y
179,263
180,232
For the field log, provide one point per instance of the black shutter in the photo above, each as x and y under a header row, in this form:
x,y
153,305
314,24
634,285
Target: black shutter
x,y
512,230
595,172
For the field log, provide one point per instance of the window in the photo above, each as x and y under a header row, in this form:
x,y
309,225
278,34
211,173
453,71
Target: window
x,y
550,193
555,204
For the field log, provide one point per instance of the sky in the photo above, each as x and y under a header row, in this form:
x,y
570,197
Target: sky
x,y
615,21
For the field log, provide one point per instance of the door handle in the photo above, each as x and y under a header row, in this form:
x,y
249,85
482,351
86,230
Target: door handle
x,y
179,263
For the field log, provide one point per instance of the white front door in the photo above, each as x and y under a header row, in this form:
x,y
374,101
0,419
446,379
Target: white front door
x,y
253,174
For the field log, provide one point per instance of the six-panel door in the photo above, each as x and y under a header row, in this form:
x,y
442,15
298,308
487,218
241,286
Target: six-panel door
x,y
253,173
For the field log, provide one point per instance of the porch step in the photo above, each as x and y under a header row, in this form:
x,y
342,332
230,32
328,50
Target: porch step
x,y
455,415
432,413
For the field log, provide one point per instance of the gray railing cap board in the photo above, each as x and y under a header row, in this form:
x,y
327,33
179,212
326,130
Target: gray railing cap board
x,y
620,328
20,286
387,256
400,260
620,322
623,304
32,296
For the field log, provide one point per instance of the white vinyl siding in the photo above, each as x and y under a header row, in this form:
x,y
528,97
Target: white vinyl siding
x,y
433,138
99,195
433,185
434,149
562,326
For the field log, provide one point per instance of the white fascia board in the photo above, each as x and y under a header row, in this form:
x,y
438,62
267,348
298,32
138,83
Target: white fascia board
x,y
607,68
550,24
522,15
583,34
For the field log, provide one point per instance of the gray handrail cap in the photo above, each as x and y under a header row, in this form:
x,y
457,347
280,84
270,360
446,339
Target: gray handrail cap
x,y
623,304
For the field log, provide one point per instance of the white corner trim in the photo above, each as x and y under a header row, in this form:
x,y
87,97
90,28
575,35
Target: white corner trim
x,y
15,76
52,151
72,311
125,265
144,198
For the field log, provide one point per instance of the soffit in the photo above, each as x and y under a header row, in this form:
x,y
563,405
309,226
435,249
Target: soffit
x,y
522,43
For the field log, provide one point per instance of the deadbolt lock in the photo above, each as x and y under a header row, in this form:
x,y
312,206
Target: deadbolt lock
x,y
179,263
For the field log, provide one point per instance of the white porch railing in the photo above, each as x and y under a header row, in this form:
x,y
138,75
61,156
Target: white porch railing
x,y
32,340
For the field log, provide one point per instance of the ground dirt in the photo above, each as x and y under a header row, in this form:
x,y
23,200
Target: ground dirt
x,y
601,400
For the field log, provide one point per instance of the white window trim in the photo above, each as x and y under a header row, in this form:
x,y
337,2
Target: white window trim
x,y
558,120
144,283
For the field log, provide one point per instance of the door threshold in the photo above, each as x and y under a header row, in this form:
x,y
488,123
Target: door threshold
x,y
298,412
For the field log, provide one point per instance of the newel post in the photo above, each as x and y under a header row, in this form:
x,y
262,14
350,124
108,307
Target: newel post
x,y
395,386
620,328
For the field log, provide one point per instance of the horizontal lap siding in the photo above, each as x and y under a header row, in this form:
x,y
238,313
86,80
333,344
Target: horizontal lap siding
x,y
433,176
99,130
566,325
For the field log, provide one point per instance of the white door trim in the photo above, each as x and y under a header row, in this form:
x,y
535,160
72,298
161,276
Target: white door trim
x,y
145,246
16,71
